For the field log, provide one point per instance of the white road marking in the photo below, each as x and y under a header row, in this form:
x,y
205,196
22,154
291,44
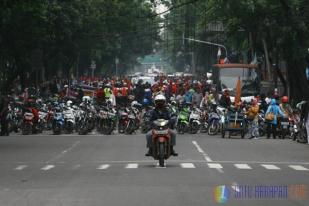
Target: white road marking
x,y
298,167
132,166
270,167
243,166
185,160
76,167
200,150
63,152
103,167
214,166
21,167
48,167
187,165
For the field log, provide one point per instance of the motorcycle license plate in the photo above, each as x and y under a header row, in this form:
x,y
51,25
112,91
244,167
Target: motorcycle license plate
x,y
162,132
131,116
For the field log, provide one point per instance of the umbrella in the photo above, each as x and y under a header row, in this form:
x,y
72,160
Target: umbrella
x,y
238,92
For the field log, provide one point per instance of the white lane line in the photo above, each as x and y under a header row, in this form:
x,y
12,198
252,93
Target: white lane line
x,y
243,166
21,167
103,167
48,167
270,167
200,150
187,165
64,152
132,166
184,160
215,166
75,167
298,167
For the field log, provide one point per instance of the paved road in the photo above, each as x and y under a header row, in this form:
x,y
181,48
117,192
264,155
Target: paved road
x,y
71,170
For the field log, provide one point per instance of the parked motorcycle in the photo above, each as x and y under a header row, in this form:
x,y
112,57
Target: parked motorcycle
x,y
204,121
146,123
213,123
58,122
27,124
122,120
183,120
194,120
69,120
284,130
107,121
133,122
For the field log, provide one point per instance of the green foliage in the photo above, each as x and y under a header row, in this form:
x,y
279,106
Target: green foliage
x,y
65,35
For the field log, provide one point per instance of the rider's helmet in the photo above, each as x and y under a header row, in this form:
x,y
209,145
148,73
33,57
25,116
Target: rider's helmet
x,y
86,99
146,102
254,101
285,99
69,103
160,101
135,104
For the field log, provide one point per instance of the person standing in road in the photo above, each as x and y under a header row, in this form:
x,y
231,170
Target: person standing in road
x,y
272,125
253,113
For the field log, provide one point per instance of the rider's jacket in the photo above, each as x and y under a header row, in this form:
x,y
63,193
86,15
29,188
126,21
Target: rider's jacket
x,y
160,114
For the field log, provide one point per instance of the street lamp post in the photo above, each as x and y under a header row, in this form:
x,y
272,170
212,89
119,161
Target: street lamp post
x,y
209,43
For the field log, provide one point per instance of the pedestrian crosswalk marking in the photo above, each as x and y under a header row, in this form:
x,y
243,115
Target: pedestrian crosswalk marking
x,y
270,167
187,165
298,167
48,167
21,167
103,167
243,166
214,166
183,165
132,166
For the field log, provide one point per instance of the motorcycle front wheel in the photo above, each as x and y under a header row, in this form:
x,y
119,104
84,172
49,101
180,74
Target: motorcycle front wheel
x,y
161,155
213,129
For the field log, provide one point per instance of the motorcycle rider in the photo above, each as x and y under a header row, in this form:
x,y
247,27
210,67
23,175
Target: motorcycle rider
x,y
225,100
160,112
285,106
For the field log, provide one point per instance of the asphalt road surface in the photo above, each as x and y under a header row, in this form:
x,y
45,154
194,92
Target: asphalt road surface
x,y
99,170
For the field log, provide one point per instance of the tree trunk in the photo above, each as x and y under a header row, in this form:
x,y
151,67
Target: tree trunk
x,y
251,45
268,66
299,87
296,62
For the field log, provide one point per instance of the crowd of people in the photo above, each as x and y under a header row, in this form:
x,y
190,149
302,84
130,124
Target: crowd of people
x,y
183,90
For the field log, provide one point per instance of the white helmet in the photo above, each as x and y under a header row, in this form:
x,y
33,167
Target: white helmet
x,y
160,101
160,97
134,103
86,99
69,103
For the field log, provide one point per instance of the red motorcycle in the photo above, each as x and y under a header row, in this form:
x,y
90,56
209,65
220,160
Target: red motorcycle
x,y
161,141
27,124
123,120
